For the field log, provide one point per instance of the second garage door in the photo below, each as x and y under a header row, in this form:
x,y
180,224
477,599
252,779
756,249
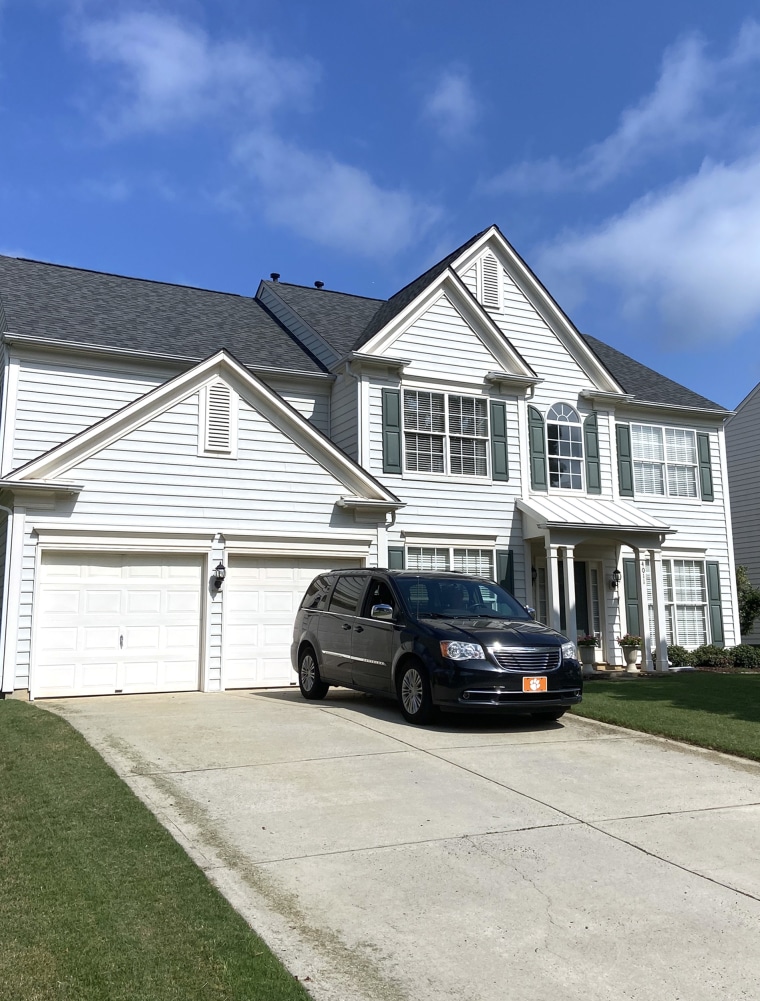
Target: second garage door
x,y
262,595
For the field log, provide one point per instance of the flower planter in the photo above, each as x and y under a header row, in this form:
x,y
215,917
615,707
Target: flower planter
x,y
631,657
587,655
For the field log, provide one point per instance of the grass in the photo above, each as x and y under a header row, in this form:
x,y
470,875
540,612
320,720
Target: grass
x,y
97,901
719,711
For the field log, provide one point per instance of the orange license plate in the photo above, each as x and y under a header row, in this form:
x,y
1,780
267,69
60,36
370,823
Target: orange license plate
x,y
534,684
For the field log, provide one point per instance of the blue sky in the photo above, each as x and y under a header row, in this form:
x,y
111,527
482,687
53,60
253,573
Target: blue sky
x,y
357,141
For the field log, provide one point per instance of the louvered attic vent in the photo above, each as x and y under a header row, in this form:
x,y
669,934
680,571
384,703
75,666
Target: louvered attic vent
x,y
219,436
490,284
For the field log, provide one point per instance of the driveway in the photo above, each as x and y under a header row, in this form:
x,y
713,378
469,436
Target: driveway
x,y
477,860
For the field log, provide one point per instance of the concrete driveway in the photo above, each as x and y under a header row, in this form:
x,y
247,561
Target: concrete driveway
x,y
477,860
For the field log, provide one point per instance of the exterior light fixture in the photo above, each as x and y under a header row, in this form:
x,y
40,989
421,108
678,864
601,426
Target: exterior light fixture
x,y
534,574
219,574
615,579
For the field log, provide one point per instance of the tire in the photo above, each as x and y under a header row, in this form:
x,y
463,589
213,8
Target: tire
x,y
414,698
311,685
549,715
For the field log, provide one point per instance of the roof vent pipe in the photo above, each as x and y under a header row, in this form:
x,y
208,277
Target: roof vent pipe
x,y
319,284
275,276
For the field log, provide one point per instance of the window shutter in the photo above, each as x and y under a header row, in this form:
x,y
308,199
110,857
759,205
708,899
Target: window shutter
x,y
713,597
505,569
537,449
219,418
391,431
499,457
489,282
631,592
591,450
625,460
395,557
705,467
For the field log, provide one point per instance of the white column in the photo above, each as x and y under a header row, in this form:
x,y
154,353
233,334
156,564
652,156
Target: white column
x,y
646,645
552,586
569,572
658,599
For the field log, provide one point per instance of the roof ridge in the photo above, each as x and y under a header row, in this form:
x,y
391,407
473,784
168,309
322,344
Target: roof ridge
x,y
332,291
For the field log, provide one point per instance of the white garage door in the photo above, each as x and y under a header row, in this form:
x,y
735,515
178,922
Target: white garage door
x,y
111,623
262,595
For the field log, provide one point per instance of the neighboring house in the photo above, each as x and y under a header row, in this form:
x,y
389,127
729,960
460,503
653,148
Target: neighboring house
x,y
151,432
743,454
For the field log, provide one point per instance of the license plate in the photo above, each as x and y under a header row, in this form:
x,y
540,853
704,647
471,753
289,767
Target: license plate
x,y
534,684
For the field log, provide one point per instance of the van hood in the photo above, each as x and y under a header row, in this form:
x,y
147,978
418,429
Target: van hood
x,y
490,631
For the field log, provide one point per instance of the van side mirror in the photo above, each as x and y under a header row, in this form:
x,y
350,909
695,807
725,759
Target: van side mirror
x,y
531,611
384,612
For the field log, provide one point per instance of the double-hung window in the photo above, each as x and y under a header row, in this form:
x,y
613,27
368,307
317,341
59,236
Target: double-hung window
x,y
685,594
476,562
664,461
445,433
565,448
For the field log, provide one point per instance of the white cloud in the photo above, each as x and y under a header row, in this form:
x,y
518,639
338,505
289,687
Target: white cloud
x,y
452,106
686,259
170,72
329,202
693,102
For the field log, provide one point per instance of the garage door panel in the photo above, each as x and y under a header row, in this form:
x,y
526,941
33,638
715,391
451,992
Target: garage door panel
x,y
261,599
139,633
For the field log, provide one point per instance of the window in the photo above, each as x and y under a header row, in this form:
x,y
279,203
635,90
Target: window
x,y
445,433
685,593
477,562
316,594
378,593
565,447
664,461
345,597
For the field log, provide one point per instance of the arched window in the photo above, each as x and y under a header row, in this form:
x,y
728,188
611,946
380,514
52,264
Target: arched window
x,y
565,447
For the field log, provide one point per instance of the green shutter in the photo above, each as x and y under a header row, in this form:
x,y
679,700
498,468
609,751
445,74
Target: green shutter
x,y
591,448
537,449
391,431
395,557
716,608
631,592
499,458
625,460
505,569
705,466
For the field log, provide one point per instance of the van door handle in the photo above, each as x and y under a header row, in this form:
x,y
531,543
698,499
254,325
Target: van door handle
x,y
359,629
346,625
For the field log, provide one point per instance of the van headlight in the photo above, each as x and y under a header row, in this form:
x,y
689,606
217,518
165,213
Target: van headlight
x,y
456,650
569,652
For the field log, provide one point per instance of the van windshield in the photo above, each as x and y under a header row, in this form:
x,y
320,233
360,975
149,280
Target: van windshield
x,y
447,597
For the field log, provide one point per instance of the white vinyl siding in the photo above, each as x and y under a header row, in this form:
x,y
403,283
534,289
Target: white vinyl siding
x,y
664,461
743,450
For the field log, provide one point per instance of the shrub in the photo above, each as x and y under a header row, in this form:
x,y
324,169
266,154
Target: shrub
x,y
679,656
746,656
710,655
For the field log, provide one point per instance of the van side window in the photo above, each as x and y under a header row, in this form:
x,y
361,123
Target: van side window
x,y
315,598
378,593
348,591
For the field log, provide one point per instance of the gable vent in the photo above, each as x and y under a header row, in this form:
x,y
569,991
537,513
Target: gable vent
x,y
490,284
219,418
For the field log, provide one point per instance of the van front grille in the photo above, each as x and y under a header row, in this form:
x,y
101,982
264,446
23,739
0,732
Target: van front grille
x,y
527,658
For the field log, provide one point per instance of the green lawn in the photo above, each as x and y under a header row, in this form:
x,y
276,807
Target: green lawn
x,y
97,901
720,711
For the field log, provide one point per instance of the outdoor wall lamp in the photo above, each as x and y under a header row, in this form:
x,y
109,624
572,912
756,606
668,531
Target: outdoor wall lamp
x,y
534,574
219,574
615,579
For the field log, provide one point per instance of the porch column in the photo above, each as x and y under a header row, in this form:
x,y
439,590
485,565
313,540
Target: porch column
x,y
646,646
552,585
569,572
658,600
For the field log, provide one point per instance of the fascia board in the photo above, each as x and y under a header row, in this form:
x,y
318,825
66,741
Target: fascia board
x,y
450,284
155,402
543,301
40,486
676,409
268,290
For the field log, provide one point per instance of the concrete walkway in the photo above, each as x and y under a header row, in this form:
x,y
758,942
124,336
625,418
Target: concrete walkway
x,y
478,860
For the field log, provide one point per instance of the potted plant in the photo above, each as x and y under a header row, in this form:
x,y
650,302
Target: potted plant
x,y
630,646
587,651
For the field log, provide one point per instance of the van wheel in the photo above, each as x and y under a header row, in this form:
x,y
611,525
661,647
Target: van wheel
x,y
414,695
311,685
550,714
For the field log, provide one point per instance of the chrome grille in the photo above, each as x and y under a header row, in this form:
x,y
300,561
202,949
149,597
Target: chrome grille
x,y
527,658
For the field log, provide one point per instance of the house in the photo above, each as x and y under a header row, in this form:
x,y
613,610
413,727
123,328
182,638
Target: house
x,y
157,437
743,455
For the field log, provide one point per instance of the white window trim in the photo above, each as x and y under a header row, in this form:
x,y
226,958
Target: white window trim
x,y
565,491
671,607
450,549
447,436
663,428
203,423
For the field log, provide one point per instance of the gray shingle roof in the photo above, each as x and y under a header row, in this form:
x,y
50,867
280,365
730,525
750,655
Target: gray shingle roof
x,y
337,317
70,304
647,385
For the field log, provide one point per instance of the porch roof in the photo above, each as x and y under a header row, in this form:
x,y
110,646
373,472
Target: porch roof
x,y
591,515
